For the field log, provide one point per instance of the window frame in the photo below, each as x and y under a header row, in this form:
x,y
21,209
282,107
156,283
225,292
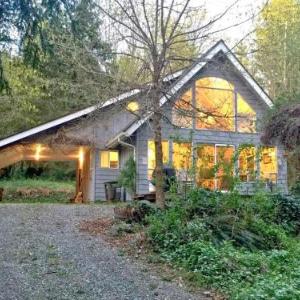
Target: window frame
x,y
256,170
166,162
276,164
215,177
235,108
109,159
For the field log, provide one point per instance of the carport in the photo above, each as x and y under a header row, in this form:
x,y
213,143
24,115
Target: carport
x,y
43,152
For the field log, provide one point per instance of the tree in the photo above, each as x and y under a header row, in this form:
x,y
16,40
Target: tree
x,y
64,74
277,54
154,30
35,30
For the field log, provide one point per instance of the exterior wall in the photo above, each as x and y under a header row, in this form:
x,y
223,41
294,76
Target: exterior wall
x,y
113,122
105,174
144,133
199,137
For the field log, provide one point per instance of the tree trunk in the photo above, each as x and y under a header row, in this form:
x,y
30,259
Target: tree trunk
x,y
159,176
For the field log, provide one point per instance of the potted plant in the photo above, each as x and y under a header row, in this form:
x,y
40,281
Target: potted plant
x,y
127,177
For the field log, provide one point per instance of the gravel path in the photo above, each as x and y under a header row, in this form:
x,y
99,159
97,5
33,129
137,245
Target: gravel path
x,y
44,256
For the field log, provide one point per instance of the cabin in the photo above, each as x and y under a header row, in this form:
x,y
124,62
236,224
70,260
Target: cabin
x,y
230,106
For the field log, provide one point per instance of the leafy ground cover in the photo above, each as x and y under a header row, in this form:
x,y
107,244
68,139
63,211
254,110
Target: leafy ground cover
x,y
245,248
37,191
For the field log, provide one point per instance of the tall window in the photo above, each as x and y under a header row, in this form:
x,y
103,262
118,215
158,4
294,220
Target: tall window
x,y
268,164
182,156
205,166
182,111
216,106
246,117
109,159
215,166
224,176
151,156
247,164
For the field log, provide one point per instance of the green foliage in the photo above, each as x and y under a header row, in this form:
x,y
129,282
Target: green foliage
x,y
57,69
232,243
37,191
56,171
127,176
295,189
277,55
288,213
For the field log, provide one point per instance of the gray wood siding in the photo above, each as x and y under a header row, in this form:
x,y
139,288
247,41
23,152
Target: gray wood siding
x,y
105,174
227,72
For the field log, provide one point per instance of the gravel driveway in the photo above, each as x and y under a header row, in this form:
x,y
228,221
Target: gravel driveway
x,y
44,256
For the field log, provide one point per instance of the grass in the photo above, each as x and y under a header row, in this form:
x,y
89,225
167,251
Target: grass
x,y
37,191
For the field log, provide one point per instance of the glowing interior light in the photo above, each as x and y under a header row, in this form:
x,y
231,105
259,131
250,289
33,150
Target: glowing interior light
x,y
133,106
38,152
81,158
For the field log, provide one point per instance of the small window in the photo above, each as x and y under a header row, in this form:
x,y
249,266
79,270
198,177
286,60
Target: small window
x,y
133,106
109,159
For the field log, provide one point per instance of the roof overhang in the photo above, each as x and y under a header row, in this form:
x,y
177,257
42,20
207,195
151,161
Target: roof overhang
x,y
60,121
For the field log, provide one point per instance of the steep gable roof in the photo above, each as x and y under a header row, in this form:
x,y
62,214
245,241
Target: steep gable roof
x,y
190,73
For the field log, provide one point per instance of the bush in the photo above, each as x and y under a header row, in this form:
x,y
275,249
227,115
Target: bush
x,y
295,189
232,243
288,213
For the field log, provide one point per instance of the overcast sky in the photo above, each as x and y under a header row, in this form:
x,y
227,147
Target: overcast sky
x,y
241,11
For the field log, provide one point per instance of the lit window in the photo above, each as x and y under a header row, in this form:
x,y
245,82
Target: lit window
x,y
133,106
151,156
215,104
246,116
109,159
182,154
182,111
224,176
205,166
268,164
214,108
247,164
215,166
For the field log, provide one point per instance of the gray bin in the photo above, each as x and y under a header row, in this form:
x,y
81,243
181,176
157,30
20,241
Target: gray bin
x,y
112,190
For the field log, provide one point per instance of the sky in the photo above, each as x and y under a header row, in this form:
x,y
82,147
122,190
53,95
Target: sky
x,y
243,10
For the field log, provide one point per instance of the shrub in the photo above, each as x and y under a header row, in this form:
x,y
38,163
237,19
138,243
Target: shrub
x,y
243,246
295,189
288,213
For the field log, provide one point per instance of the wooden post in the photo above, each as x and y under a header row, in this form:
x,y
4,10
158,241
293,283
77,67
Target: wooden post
x,y
86,175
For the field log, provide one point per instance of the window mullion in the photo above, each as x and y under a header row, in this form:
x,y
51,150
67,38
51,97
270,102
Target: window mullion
x,y
235,111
